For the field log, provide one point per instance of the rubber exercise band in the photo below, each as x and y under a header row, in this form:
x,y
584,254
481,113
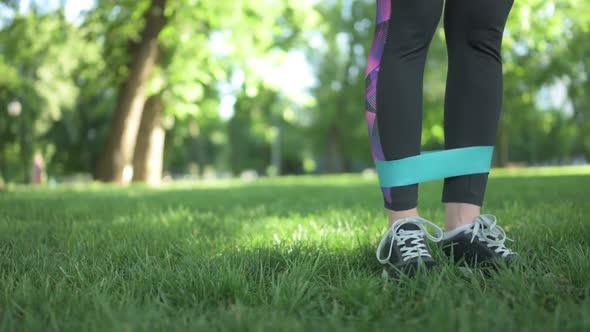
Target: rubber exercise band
x,y
434,164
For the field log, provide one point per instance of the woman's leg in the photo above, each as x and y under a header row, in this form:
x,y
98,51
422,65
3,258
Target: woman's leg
x,y
473,99
394,78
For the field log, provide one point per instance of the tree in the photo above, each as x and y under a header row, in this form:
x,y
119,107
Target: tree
x,y
118,152
33,46
189,64
149,150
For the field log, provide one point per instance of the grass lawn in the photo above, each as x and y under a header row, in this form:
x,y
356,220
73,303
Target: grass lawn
x,y
288,253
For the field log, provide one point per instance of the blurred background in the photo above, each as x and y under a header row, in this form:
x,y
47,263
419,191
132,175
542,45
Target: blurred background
x,y
152,90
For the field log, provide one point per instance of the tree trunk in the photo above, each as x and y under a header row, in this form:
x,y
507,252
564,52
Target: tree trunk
x,y
149,149
334,157
275,148
333,151
502,146
118,152
24,149
3,168
582,112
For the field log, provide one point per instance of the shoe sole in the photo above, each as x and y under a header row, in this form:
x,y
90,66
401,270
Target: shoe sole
x,y
465,271
385,274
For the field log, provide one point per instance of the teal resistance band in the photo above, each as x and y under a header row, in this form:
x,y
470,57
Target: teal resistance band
x,y
435,164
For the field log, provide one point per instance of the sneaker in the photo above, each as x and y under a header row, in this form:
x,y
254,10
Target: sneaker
x,y
405,247
479,244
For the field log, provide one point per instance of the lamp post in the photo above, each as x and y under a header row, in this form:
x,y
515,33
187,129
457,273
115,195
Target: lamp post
x,y
15,109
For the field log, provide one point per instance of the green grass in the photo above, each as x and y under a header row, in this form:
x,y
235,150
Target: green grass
x,y
289,253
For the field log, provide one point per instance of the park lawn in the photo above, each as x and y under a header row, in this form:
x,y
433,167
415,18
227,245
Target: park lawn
x,y
288,253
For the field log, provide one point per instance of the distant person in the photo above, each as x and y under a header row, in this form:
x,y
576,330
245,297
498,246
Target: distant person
x,y
472,107
38,169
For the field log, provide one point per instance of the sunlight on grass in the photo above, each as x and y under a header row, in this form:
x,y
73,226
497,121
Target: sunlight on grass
x,y
541,171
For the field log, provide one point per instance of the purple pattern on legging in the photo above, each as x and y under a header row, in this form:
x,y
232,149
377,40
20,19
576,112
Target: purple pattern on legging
x,y
372,72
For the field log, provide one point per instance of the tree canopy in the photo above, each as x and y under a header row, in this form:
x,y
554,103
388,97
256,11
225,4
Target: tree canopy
x,y
271,86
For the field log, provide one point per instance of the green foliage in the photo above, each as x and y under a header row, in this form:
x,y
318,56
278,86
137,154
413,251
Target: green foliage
x,y
66,76
41,63
544,42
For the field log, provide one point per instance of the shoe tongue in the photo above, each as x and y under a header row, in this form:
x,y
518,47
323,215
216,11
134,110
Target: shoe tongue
x,y
409,227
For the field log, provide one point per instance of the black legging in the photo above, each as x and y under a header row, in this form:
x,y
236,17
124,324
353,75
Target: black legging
x,y
473,99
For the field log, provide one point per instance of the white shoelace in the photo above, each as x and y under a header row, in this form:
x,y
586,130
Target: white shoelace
x,y
488,232
416,236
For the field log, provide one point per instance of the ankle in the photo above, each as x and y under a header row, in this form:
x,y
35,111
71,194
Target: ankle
x,y
396,215
459,214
